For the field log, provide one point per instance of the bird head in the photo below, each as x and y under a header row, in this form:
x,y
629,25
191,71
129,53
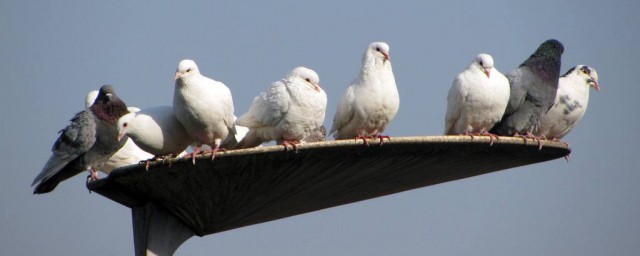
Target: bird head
x,y
186,68
124,123
379,50
590,75
485,63
309,76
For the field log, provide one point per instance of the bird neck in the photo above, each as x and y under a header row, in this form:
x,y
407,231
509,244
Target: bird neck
x,y
372,64
110,112
547,68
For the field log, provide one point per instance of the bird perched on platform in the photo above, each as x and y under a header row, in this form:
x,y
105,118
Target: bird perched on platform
x,y
570,103
370,101
129,153
477,99
203,106
85,144
155,130
533,90
287,112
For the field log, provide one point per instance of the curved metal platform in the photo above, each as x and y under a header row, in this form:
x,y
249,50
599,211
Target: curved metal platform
x,y
251,186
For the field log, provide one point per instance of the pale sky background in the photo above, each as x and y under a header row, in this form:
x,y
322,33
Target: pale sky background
x,y
54,52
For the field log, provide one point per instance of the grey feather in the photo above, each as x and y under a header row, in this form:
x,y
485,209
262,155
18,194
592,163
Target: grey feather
x,y
87,142
533,90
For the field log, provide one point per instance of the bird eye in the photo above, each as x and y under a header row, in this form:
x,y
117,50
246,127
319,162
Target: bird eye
x,y
125,125
481,63
308,80
585,70
378,49
188,70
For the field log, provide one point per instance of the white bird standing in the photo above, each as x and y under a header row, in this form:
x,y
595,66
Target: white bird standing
x,y
570,103
288,111
204,106
129,153
477,99
155,130
371,101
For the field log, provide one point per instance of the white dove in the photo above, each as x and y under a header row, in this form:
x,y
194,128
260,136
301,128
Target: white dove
x,y
570,103
288,111
477,99
203,106
129,153
155,130
371,101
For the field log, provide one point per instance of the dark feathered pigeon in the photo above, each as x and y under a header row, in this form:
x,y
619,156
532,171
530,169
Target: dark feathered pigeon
x,y
86,143
533,89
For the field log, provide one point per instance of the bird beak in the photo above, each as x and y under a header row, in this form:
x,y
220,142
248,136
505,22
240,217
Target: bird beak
x,y
177,76
386,56
487,71
595,84
120,135
316,87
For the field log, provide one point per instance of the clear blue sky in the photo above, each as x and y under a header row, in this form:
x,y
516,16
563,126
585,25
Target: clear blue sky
x,y
54,52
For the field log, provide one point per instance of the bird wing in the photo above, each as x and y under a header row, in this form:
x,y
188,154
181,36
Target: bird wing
x,y
74,140
227,102
455,100
345,111
519,83
268,108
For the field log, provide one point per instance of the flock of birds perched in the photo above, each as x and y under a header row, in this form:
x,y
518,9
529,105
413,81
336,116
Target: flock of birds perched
x,y
531,102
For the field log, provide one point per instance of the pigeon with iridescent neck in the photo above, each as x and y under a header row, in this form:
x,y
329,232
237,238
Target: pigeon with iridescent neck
x,y
533,90
85,144
129,153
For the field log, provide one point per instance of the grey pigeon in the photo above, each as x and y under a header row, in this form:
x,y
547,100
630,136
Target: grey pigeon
x,y
570,103
129,153
477,99
370,101
533,89
85,144
287,112
203,106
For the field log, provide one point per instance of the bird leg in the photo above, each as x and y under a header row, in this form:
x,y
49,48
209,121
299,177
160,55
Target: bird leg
x,y
381,137
364,139
293,144
215,150
93,174
529,135
491,137
194,153
467,133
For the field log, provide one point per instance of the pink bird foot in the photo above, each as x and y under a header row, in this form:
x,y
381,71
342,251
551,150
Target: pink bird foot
x,y
492,137
193,154
292,143
364,139
93,174
381,138
529,135
215,150
467,133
